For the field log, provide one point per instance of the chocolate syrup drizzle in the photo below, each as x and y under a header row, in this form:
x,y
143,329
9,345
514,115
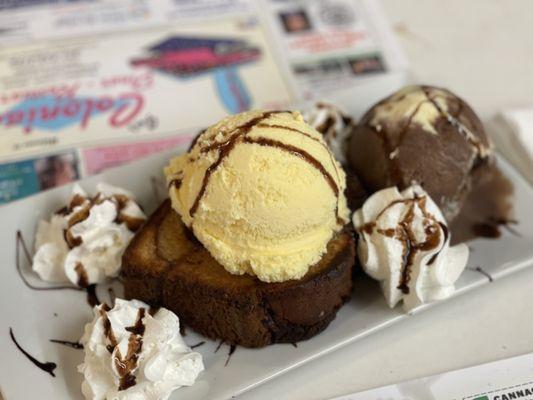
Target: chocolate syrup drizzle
x,y
112,296
491,228
239,134
125,366
219,346
488,207
120,201
83,279
482,272
176,183
472,139
288,128
48,367
138,328
74,345
404,233
232,349
92,298
298,153
194,346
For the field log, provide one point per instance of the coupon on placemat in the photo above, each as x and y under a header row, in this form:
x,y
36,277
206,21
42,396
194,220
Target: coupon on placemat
x,y
501,380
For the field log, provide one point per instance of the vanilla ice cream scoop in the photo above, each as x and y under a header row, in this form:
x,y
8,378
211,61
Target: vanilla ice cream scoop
x,y
262,192
404,243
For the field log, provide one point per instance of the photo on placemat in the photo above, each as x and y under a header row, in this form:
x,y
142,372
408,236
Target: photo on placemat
x,y
56,170
366,65
295,21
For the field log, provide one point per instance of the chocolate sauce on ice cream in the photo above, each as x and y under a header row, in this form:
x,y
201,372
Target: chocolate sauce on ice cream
x,y
266,175
487,208
240,133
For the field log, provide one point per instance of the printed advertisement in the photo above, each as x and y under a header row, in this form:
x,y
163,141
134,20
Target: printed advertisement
x,y
329,44
23,178
99,83
24,21
97,159
86,92
501,380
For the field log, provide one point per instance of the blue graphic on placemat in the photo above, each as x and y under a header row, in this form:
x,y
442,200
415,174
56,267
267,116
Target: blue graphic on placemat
x,y
54,113
17,180
232,91
187,57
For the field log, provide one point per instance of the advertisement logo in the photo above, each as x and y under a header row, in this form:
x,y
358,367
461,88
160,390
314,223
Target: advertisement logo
x,y
188,57
54,113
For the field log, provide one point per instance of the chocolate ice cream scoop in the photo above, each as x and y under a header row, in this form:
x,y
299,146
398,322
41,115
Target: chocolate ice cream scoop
x,y
421,135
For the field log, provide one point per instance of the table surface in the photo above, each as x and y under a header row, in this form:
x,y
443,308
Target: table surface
x,y
482,50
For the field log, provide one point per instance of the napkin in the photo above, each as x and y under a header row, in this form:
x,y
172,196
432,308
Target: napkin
x,y
513,137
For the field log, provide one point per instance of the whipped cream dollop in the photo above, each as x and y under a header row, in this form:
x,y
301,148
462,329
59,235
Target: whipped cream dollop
x,y
333,124
83,242
135,352
405,244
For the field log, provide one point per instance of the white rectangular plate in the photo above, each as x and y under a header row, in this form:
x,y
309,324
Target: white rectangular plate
x,y
37,316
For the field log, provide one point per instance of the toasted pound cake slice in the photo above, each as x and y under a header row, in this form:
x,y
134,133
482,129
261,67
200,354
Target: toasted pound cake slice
x,y
165,265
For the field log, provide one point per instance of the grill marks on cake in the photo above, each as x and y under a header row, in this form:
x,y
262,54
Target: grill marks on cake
x,y
239,134
404,233
125,366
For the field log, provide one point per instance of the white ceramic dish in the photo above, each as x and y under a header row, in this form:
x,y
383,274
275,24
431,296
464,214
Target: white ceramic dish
x,y
38,316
